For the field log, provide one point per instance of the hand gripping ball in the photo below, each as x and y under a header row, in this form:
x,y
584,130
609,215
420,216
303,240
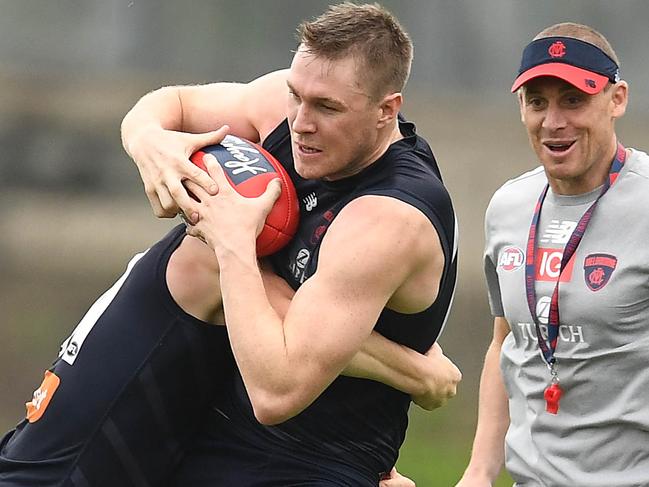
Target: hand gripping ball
x,y
249,168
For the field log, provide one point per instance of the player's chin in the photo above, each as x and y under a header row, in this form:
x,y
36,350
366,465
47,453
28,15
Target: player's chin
x,y
308,171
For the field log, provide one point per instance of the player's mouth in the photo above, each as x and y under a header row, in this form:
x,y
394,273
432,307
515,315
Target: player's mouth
x,y
559,147
307,150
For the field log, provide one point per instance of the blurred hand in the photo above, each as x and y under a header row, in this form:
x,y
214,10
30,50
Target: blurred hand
x,y
441,380
162,158
395,479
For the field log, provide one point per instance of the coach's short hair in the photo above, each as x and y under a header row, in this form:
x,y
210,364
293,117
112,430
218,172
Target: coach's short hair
x,y
368,32
581,32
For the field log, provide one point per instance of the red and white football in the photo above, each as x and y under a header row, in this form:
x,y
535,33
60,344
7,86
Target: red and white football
x,y
249,168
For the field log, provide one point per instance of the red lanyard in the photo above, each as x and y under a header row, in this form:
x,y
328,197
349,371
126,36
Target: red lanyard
x,y
549,345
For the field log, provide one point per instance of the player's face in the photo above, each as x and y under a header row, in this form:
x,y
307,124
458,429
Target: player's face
x,y
333,120
572,133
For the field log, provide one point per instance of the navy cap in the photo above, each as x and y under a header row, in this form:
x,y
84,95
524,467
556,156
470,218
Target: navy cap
x,y
580,63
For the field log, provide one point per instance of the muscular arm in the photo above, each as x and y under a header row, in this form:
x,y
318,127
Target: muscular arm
x,y
488,454
363,265
167,125
431,378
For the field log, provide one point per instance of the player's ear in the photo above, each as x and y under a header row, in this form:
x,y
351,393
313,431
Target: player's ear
x,y
389,108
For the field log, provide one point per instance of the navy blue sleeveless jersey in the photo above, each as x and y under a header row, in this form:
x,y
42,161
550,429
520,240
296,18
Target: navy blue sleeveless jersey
x,y
353,431
136,379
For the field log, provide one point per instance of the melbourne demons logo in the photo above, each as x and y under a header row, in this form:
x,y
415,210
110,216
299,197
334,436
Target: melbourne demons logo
x,y
557,49
511,259
598,269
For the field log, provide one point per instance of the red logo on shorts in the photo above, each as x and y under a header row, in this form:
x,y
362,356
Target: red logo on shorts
x,y
598,269
42,397
557,49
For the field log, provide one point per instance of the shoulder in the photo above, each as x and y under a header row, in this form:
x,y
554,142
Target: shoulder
x,y
518,191
266,101
639,163
379,225
410,173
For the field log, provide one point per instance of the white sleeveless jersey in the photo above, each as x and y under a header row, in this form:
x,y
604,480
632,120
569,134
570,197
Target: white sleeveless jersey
x,y
600,436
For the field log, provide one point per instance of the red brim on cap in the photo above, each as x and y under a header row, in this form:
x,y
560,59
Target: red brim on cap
x,y
586,81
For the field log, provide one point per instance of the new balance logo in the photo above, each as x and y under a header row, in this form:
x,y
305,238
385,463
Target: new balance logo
x,y
311,201
558,232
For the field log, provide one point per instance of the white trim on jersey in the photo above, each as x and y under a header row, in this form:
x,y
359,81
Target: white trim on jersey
x,y
71,347
456,239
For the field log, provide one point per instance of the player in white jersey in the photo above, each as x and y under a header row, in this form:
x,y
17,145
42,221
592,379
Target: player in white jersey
x,y
567,268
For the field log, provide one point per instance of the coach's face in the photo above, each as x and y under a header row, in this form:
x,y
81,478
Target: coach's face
x,y
572,133
334,121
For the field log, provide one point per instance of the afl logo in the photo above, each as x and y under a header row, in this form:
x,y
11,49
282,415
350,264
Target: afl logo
x,y
511,259
557,49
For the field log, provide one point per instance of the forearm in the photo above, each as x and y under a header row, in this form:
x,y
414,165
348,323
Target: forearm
x,y
160,109
488,453
388,362
256,334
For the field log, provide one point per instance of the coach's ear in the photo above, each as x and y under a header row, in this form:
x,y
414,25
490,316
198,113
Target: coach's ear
x,y
619,99
389,109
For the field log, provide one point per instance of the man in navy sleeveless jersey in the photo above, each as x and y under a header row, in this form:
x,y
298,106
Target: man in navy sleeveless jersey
x,y
375,250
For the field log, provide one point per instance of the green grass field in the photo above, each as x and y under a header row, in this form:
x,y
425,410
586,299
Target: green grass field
x,y
436,452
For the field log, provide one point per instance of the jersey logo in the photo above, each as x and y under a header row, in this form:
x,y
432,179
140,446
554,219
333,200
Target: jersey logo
x,y
558,232
548,264
511,259
557,49
543,309
42,397
598,269
311,201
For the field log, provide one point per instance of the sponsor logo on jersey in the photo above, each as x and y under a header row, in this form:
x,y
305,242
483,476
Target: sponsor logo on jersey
x,y
558,232
299,264
543,309
42,397
511,258
567,333
310,201
598,269
548,264
318,233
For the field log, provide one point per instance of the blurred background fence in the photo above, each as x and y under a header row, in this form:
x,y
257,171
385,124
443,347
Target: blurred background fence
x,y
72,209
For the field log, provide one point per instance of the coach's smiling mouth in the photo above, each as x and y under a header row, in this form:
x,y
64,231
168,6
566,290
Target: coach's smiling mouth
x,y
558,147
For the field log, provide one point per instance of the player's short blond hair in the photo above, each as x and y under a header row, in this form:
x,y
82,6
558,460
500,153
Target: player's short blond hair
x,y
368,32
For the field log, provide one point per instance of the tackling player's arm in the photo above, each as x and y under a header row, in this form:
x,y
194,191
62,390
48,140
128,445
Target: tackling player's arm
x,y
488,453
431,378
167,125
364,264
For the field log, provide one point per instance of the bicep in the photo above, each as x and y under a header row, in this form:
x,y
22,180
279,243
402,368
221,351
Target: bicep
x,y
248,108
361,264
